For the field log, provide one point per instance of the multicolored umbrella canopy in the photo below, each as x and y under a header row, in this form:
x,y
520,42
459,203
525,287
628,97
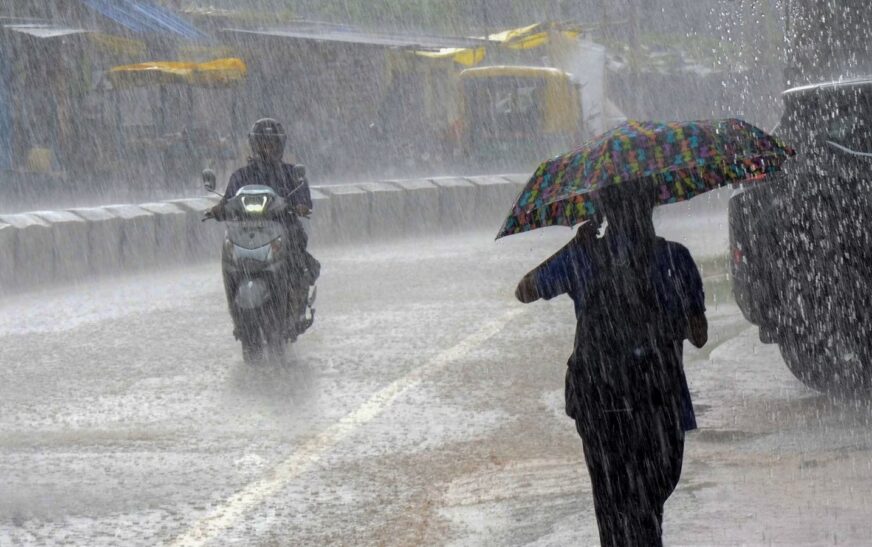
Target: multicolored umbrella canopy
x,y
682,159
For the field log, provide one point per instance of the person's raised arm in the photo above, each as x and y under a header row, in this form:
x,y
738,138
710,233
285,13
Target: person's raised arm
x,y
697,329
527,291
558,274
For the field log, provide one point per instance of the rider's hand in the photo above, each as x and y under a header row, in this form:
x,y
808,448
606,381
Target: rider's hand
x,y
303,211
216,212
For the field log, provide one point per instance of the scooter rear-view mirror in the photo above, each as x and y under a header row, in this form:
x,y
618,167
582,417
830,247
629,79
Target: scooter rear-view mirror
x,y
209,179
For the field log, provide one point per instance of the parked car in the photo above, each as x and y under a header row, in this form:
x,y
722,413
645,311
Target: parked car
x,y
801,242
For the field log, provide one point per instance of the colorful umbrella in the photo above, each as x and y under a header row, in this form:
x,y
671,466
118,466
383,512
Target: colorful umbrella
x,y
683,160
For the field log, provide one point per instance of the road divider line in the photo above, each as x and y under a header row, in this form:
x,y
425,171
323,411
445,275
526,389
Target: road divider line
x,y
229,513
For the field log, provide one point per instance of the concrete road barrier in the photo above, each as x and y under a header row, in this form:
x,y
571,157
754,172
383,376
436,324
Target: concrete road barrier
x,y
204,239
517,178
138,236
7,257
320,225
387,210
171,227
33,249
46,246
459,202
421,212
496,195
104,239
71,245
350,213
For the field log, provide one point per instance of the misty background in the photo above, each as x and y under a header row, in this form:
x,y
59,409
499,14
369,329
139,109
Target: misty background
x,y
344,78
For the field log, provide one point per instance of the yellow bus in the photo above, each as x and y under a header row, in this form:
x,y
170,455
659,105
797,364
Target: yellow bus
x,y
515,115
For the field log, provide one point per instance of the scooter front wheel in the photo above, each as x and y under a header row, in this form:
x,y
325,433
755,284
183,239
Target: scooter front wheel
x,y
252,347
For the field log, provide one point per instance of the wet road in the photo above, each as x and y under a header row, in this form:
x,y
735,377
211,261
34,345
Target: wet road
x,y
425,407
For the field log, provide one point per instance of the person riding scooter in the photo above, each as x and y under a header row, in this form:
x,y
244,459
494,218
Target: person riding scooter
x,y
267,140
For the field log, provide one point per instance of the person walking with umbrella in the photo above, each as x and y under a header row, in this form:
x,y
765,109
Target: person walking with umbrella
x,y
637,298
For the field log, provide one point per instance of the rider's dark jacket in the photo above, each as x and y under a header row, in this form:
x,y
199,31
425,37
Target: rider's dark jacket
x,y
279,176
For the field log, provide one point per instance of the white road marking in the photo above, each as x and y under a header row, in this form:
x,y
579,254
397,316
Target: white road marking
x,y
224,517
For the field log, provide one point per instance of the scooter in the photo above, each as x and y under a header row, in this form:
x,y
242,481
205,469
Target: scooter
x,y
265,277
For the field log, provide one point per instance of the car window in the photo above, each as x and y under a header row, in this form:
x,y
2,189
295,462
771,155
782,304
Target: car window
x,y
850,121
505,105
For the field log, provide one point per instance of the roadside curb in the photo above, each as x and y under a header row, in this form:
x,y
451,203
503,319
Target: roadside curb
x,y
46,247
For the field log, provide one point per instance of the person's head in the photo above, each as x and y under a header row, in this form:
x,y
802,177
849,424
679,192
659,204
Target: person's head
x,y
267,139
627,207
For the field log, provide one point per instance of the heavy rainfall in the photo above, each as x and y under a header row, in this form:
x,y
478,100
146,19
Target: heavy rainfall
x,y
250,293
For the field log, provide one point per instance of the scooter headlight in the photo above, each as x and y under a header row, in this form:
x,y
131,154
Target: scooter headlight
x,y
255,204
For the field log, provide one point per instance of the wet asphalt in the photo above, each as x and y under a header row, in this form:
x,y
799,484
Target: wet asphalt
x,y
424,408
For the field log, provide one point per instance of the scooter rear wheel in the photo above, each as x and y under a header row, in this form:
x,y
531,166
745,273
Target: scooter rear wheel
x,y
276,346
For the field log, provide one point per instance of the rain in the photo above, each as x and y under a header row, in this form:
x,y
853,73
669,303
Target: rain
x,y
250,292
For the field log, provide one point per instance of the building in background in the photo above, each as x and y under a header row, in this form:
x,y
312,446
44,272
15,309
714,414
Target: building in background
x,y
59,127
44,78
359,104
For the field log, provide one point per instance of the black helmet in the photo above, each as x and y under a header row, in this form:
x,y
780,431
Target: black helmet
x,y
267,139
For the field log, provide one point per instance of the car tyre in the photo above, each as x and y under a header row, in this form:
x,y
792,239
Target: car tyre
x,y
829,368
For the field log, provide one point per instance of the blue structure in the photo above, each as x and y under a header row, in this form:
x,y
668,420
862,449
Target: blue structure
x,y
144,16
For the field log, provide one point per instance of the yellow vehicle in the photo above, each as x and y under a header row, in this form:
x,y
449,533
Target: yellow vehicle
x,y
174,118
518,115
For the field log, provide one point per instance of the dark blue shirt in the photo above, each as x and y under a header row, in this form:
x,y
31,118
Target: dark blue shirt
x,y
674,276
614,327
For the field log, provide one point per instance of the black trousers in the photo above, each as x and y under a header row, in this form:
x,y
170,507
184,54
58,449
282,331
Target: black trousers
x,y
634,459
301,241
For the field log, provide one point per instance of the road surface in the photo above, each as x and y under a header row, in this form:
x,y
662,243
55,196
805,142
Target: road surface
x,y
424,408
